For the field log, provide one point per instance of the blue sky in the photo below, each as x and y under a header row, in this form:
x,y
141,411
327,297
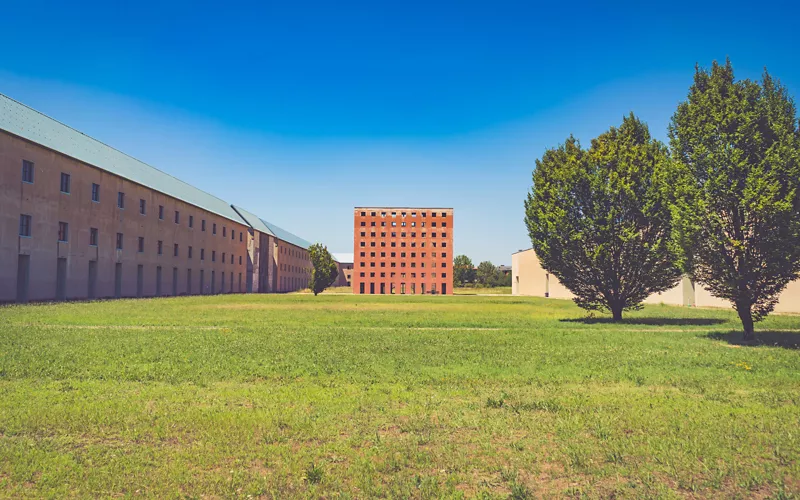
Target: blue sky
x,y
299,111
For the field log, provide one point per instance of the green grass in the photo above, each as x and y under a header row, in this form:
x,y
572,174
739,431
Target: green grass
x,y
498,290
361,396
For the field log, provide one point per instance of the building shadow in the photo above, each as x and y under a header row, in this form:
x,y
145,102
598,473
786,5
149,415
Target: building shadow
x,y
768,338
648,321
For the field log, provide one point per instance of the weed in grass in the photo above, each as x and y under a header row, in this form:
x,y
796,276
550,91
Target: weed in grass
x,y
519,492
313,473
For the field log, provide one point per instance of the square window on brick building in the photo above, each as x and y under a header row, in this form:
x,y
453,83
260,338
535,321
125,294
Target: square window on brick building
x,y
27,171
444,224
371,275
363,264
96,193
141,244
363,234
362,274
383,275
25,225
363,243
65,181
63,231
93,236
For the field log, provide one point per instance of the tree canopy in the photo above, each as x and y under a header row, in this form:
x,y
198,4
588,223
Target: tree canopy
x,y
599,221
463,270
736,147
486,274
325,271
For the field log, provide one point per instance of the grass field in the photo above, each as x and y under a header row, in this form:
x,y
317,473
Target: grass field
x,y
353,396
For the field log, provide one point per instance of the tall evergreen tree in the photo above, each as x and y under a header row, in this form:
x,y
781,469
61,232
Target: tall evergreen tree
x,y
736,146
598,220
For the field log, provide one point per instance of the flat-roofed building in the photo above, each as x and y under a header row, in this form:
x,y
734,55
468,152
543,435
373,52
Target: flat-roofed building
x,y
403,250
344,264
528,277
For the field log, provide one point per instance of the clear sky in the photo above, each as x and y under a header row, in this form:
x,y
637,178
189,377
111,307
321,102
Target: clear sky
x,y
299,111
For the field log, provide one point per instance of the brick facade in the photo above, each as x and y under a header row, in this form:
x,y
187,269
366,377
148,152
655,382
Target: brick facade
x,y
402,251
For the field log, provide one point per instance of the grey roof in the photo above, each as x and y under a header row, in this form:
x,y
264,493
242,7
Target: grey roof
x,y
253,220
286,236
25,122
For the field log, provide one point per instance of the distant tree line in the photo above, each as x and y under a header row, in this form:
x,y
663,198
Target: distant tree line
x,y
626,217
485,275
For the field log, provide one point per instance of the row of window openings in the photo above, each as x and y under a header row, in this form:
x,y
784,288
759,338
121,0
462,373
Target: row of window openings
x,y
402,214
66,181
402,244
294,253
294,269
402,224
403,275
63,236
402,235
403,254
393,288
403,264
288,282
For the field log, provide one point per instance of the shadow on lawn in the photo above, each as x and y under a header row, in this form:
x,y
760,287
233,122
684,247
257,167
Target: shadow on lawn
x,y
769,338
648,321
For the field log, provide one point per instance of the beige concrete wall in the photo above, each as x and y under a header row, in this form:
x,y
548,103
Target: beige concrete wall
x,y
48,206
528,278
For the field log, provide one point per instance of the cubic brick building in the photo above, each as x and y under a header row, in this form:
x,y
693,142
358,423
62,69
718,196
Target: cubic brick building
x,y
402,250
81,220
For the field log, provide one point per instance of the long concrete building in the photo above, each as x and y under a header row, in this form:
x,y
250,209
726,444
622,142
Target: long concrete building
x,y
82,220
528,277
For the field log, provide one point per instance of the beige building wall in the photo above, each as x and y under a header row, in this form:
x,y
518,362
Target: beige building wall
x,y
529,278
216,264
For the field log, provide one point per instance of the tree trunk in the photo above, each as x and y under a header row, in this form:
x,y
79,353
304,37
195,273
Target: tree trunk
x,y
616,312
747,320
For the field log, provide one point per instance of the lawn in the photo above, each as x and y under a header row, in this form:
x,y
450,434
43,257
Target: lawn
x,y
403,396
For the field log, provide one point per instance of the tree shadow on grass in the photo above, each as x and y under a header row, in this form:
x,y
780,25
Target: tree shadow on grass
x,y
768,338
648,321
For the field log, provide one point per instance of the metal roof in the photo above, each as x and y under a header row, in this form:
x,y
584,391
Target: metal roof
x,y
253,220
25,122
286,236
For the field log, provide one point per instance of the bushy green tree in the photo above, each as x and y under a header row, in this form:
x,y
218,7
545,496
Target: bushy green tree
x,y
463,270
598,220
737,209
486,274
325,270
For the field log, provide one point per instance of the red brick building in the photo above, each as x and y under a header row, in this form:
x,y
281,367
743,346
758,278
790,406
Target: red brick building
x,y
403,250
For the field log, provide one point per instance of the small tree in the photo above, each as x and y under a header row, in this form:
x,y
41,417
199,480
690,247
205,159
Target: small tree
x,y
463,270
325,270
486,273
737,186
598,220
